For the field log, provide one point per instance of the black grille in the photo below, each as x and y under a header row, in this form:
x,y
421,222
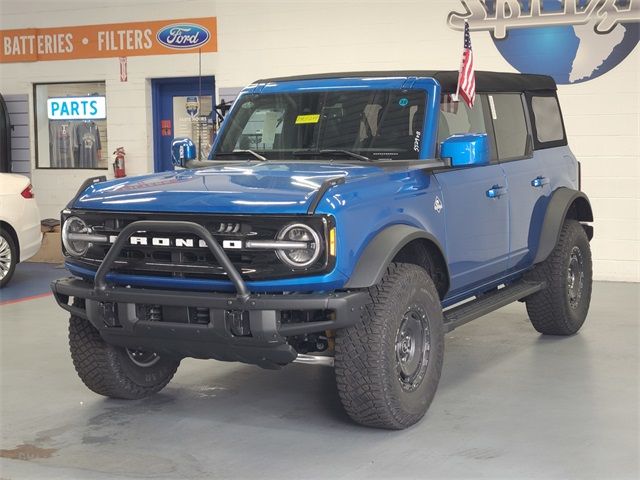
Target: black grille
x,y
197,261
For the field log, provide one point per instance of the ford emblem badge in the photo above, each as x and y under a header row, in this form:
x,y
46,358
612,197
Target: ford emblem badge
x,y
183,35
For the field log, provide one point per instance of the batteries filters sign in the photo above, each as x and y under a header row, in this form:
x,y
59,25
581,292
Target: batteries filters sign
x,y
77,108
157,37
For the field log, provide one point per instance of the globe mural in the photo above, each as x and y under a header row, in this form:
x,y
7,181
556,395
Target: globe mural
x,y
570,54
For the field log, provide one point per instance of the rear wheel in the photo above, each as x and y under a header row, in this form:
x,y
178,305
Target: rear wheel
x,y
562,307
388,364
8,257
114,371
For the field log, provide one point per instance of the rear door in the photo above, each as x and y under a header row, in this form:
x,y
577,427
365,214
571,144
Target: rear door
x,y
477,226
527,180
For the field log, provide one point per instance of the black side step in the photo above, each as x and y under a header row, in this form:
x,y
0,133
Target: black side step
x,y
489,302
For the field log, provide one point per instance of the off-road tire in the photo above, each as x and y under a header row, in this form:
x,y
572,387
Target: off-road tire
x,y
9,243
559,310
108,370
367,371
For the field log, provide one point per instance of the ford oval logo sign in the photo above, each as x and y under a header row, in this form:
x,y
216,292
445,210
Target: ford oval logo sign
x,y
183,35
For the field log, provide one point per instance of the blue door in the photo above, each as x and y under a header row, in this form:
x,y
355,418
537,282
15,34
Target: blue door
x,y
527,178
182,107
529,187
476,209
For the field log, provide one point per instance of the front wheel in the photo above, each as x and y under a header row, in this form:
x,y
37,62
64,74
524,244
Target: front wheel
x,y
114,371
562,307
388,364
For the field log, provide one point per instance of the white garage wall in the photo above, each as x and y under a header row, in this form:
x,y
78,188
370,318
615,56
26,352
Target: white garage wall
x,y
274,38
128,103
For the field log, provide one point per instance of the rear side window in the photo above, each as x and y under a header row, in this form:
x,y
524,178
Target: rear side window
x,y
510,125
548,127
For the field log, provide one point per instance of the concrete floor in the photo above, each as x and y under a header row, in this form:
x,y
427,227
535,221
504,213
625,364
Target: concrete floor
x,y
511,404
31,279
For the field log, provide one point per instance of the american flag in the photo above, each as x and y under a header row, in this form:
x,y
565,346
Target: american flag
x,y
467,77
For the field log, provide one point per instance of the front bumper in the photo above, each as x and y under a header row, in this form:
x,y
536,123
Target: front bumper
x,y
115,314
121,314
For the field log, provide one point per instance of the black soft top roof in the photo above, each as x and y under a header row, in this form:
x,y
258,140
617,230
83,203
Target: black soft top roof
x,y
485,81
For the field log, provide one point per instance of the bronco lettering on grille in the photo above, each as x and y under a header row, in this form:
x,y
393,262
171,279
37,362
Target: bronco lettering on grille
x,y
163,242
176,242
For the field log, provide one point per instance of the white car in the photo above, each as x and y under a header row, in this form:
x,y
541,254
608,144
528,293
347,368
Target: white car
x,y
20,234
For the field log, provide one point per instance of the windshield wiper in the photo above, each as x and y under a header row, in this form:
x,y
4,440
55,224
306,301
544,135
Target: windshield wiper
x,y
344,153
236,152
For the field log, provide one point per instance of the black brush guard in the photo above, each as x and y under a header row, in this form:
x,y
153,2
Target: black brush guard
x,y
113,310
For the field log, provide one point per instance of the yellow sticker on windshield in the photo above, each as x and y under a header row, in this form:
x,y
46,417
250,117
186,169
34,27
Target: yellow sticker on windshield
x,y
312,118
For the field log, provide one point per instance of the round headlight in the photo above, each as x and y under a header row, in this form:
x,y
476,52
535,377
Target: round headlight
x,y
300,258
73,225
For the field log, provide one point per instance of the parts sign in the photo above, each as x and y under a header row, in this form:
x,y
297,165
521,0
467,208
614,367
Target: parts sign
x,y
161,37
77,108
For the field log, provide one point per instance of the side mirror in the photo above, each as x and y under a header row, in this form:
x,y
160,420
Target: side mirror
x,y
466,150
182,150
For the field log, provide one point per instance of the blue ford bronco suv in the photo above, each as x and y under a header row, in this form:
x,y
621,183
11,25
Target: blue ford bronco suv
x,y
347,219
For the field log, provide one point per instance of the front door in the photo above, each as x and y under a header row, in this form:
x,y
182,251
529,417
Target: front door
x,y
475,204
476,209
182,107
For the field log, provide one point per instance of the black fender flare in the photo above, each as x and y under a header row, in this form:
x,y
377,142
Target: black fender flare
x,y
382,249
562,199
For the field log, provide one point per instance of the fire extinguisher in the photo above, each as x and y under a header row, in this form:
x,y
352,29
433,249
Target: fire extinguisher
x,y
118,164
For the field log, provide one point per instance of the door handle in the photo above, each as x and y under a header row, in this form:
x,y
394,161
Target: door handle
x,y
496,191
539,182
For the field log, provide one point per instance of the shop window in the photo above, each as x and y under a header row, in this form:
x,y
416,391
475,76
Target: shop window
x,y
71,125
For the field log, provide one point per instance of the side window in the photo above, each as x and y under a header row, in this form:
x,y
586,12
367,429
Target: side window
x,y
510,125
457,117
547,121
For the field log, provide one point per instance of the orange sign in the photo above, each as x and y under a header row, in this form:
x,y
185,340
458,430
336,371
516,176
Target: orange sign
x,y
160,37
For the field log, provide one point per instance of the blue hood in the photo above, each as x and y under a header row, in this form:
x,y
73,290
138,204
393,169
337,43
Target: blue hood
x,y
231,187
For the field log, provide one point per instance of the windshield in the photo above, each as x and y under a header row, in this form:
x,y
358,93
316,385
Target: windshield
x,y
376,124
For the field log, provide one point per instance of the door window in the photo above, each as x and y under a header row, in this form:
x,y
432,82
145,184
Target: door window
x,y
457,117
192,118
510,125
